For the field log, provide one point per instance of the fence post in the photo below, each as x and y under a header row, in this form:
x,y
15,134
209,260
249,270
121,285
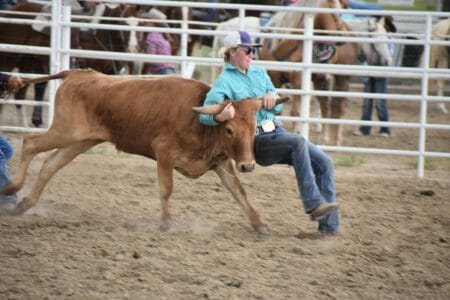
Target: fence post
x,y
55,58
306,74
65,38
187,69
424,94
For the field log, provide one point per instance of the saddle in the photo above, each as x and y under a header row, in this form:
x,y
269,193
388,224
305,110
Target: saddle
x,y
323,52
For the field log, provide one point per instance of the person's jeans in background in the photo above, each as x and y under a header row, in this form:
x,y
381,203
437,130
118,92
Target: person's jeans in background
x,y
375,85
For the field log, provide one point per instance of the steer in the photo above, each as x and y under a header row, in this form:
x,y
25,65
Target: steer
x,y
155,118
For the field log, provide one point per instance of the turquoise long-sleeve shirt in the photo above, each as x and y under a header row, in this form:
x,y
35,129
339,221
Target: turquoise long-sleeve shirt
x,y
232,84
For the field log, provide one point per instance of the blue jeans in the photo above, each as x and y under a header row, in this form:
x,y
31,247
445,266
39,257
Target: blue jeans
x,y
6,152
313,169
375,85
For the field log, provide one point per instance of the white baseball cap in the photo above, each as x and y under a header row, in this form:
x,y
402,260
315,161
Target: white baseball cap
x,y
238,38
235,39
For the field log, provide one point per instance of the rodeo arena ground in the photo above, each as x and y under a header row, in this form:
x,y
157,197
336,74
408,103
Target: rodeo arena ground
x,y
96,231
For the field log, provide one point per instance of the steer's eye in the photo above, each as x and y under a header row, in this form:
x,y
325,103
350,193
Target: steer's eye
x,y
229,130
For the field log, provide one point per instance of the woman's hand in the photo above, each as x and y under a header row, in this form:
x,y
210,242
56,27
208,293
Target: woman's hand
x,y
15,83
268,101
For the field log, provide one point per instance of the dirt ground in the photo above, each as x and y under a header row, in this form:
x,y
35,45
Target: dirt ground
x,y
94,234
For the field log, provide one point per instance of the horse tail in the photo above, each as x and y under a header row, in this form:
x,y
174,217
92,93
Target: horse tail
x,y
60,75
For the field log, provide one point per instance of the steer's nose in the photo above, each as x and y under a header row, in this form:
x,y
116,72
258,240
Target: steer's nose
x,y
246,167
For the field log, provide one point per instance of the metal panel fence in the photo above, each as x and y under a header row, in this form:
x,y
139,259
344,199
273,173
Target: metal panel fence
x,y
60,54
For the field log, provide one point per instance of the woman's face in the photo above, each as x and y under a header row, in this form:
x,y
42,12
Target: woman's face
x,y
241,57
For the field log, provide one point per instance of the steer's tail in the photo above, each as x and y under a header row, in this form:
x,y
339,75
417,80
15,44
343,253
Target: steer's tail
x,y
60,75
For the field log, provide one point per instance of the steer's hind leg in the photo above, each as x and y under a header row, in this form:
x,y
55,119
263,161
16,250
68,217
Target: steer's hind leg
x,y
56,160
32,145
230,180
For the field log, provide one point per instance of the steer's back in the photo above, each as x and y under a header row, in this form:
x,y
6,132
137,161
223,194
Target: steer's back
x,y
128,112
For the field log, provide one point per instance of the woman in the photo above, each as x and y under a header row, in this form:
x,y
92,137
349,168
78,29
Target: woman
x,y
159,44
274,144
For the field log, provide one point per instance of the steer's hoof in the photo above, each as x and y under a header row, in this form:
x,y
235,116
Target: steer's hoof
x,y
7,189
165,226
8,209
262,229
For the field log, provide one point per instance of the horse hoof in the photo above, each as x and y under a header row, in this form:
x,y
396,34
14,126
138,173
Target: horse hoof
x,y
262,229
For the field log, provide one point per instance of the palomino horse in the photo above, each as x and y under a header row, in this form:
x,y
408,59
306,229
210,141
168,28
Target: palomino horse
x,y
374,54
292,50
280,20
108,40
439,58
212,15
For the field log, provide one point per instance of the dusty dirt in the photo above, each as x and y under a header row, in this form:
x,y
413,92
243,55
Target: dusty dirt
x,y
94,234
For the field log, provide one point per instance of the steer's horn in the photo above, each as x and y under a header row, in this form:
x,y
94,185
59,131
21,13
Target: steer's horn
x,y
279,100
207,110
282,100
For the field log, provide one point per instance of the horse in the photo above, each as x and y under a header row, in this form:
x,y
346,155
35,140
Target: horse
x,y
221,16
374,54
348,53
255,24
23,34
439,58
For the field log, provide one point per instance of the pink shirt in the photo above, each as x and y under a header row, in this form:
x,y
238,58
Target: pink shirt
x,y
157,44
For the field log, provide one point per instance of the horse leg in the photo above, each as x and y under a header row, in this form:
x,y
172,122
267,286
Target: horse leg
x,y
443,63
295,81
440,92
315,107
322,82
21,114
342,83
39,90
53,163
295,112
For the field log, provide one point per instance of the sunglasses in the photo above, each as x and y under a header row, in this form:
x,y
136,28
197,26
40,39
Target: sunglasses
x,y
248,50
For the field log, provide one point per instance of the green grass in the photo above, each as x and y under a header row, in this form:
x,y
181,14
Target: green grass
x,y
432,163
348,160
419,5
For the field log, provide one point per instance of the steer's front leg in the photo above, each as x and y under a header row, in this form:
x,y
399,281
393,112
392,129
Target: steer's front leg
x,y
165,181
230,180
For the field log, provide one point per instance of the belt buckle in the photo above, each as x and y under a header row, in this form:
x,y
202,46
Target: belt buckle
x,y
268,126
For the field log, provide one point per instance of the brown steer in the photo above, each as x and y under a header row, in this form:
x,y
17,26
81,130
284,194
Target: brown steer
x,y
156,118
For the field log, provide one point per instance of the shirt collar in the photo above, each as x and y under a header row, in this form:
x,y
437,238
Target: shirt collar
x,y
232,67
